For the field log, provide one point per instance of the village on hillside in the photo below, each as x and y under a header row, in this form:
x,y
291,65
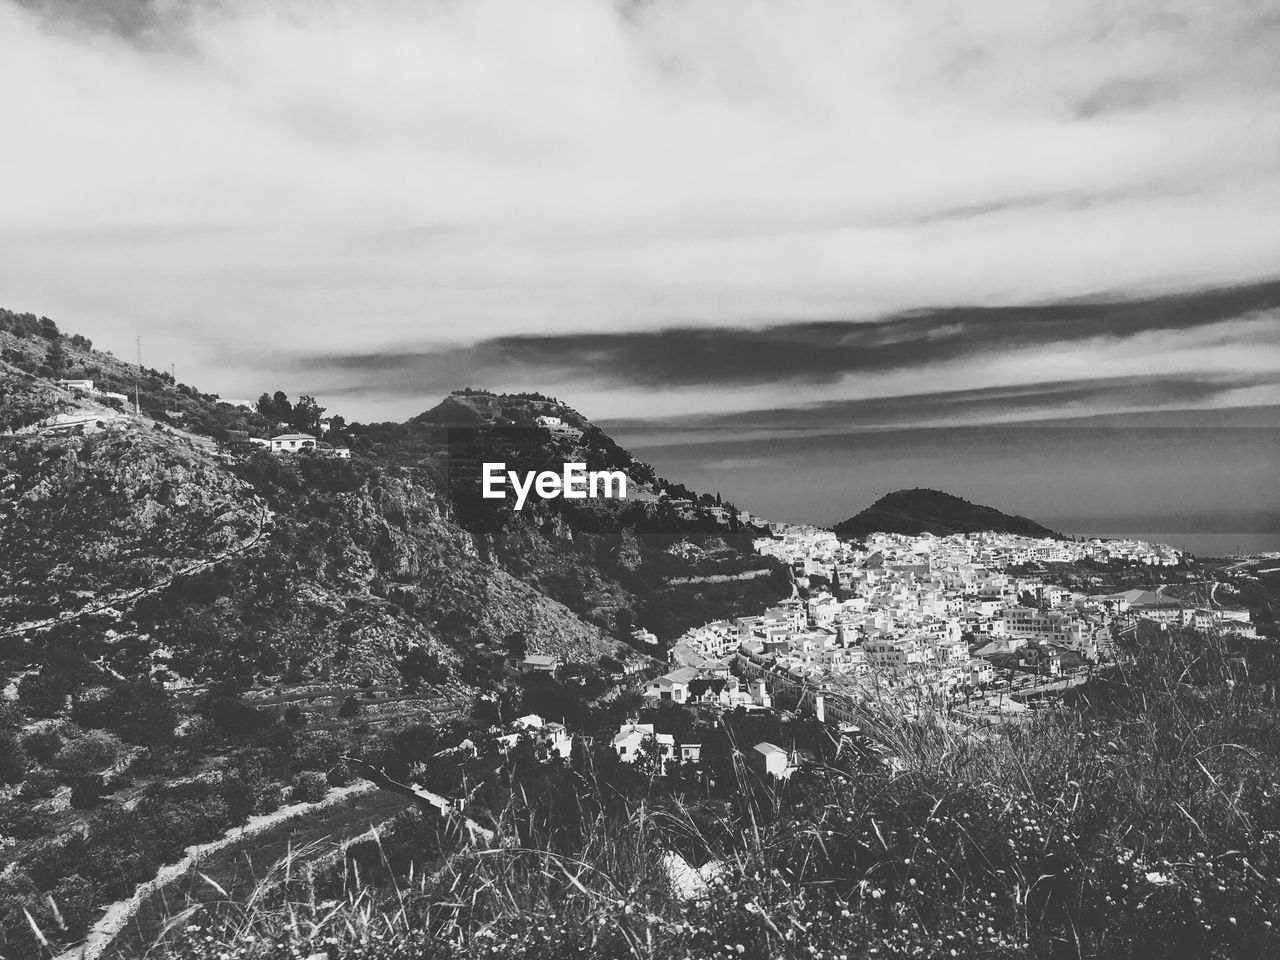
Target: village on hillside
x,y
917,623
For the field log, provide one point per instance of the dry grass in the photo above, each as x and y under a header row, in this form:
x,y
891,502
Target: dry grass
x,y
1143,822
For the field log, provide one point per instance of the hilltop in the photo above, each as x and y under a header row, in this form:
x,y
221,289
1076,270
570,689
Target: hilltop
x,y
921,510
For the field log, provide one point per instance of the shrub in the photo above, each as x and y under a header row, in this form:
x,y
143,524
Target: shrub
x,y
140,713
90,755
44,694
340,774
309,786
13,759
41,745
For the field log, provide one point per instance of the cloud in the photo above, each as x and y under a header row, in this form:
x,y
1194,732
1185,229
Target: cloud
x,y
823,352
741,463
292,177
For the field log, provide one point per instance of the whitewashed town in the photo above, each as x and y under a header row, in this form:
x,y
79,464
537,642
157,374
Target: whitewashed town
x,y
914,623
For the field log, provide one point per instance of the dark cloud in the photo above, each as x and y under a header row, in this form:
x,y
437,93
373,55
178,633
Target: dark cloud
x,y
148,23
1129,93
804,352
1063,402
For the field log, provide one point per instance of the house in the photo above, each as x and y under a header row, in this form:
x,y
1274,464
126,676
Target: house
x,y
772,759
548,421
292,442
627,741
673,686
689,753
540,663
632,737
85,385
641,635
553,738
980,672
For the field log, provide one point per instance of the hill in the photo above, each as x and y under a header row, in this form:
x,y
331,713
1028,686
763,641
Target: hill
x,y
194,630
920,510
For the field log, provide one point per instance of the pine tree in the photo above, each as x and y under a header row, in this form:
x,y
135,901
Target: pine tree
x,y
55,358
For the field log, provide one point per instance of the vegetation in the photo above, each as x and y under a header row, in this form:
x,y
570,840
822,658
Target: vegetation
x,y
1144,821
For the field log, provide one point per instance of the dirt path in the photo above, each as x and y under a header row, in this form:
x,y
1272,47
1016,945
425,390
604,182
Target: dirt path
x,y
264,520
261,830
239,869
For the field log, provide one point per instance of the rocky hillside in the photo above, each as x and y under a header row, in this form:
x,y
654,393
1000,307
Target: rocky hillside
x,y
620,564
157,546
917,511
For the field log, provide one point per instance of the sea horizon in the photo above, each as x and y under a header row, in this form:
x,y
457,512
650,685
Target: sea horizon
x,y
1200,544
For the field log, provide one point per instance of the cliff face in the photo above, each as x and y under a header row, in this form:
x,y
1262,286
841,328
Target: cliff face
x,y
913,512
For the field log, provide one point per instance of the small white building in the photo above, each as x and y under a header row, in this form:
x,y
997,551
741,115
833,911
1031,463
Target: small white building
x,y
554,738
775,761
540,663
292,442
673,686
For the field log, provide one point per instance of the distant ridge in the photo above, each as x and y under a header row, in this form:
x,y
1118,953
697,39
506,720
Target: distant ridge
x,y
920,510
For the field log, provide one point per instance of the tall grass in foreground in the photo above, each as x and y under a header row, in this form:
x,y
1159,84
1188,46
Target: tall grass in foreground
x,y
1144,821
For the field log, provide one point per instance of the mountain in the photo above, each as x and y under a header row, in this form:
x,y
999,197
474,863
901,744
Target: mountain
x,y
169,548
920,510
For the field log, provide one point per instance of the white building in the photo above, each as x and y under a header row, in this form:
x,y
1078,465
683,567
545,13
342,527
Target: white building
x,y
292,442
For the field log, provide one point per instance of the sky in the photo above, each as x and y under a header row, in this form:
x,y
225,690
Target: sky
x,y
805,252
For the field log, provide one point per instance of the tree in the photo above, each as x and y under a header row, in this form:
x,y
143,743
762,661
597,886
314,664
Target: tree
x,y
306,415
350,707
55,358
276,407
516,644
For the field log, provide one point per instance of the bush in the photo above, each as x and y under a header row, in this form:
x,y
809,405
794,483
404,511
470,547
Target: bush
x,y
318,750
44,694
310,786
87,756
13,759
140,713
41,745
340,774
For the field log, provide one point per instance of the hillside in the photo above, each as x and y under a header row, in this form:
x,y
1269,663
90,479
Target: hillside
x,y
917,511
194,630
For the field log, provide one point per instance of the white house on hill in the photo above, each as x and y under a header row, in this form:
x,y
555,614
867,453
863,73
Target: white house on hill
x,y
292,442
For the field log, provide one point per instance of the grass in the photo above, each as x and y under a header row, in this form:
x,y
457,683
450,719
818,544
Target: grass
x,y
241,873
1144,821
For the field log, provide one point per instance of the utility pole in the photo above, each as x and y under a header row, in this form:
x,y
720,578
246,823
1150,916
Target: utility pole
x,y
137,409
